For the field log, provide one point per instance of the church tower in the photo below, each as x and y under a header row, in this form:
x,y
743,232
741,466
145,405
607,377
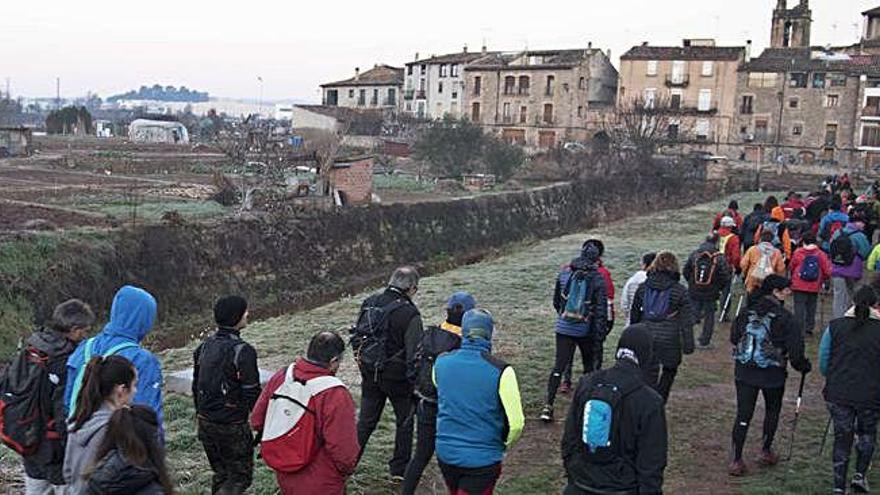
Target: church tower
x,y
791,27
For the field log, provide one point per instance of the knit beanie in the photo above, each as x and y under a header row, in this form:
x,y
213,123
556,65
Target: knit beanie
x,y
477,323
636,344
229,310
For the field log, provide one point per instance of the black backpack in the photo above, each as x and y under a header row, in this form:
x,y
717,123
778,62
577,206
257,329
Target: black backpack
x,y
369,336
842,249
25,401
218,391
435,341
705,268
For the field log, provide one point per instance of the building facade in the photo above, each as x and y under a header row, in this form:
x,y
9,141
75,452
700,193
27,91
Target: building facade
x,y
695,82
378,87
434,86
539,98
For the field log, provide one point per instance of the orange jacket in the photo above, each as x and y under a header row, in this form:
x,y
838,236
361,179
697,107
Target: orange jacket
x,y
750,261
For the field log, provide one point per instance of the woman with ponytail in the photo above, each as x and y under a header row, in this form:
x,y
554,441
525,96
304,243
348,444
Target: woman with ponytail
x,y
849,357
109,384
129,460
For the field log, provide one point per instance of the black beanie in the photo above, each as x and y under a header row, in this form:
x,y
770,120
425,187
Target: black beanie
x,y
636,339
229,310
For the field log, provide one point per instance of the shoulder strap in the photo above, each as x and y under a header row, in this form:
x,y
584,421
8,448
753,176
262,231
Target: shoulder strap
x,y
80,374
322,383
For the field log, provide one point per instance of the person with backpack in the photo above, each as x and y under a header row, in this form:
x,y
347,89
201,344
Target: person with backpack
x,y
765,338
732,211
312,449
131,317
480,413
761,261
225,387
110,383
848,359
707,274
810,269
848,251
729,245
130,459
781,237
615,438
385,342
750,225
33,419
581,303
662,303
632,285
833,221
436,341
793,202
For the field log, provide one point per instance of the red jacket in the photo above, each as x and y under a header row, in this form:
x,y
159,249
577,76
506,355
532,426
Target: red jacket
x,y
797,259
731,248
792,204
337,429
609,289
735,215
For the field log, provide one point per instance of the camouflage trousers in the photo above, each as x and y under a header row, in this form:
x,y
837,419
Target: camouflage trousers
x,y
230,450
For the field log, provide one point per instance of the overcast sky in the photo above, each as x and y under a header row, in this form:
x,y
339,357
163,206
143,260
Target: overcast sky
x,y
222,46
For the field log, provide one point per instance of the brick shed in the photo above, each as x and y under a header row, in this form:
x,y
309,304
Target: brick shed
x,y
353,178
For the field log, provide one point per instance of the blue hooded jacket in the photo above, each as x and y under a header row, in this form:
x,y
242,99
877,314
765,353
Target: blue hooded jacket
x,y
131,318
825,226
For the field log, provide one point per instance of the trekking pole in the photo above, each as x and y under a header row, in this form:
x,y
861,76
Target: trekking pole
x,y
726,304
797,412
825,436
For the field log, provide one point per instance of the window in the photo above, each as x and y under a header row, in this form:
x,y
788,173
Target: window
x,y
832,101
672,131
872,107
762,79
708,68
797,80
819,80
453,109
440,87
830,135
650,97
362,97
443,68
548,113
523,85
506,112
871,136
797,129
392,97
478,85
409,70
509,85
793,102
375,99
475,112
580,112
701,129
422,84
675,99
423,69
761,129
351,93
678,71
453,70
652,68
582,83
551,81
454,93
836,80
705,102
523,114
746,107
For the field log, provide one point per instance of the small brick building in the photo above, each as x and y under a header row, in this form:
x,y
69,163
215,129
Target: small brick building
x,y
353,179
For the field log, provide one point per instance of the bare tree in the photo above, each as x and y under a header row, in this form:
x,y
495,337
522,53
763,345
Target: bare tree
x,y
639,127
325,146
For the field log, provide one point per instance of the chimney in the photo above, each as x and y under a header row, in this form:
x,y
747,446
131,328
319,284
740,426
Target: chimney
x,y
686,43
589,45
748,51
644,43
484,49
608,54
357,73
417,56
464,49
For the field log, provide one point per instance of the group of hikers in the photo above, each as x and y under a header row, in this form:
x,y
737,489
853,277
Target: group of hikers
x,y
86,416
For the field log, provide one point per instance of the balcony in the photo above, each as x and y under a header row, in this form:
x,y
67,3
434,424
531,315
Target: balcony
x,y
408,94
420,94
681,81
871,111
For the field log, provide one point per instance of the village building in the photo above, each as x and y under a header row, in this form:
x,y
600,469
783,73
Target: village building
x,y
378,87
15,141
539,98
434,86
157,131
351,180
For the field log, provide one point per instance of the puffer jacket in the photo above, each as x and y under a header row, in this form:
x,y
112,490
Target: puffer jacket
x,y
675,334
753,257
115,475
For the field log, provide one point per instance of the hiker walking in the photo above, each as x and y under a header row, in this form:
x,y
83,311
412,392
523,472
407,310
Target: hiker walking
x,y
632,285
580,301
312,451
131,317
729,245
34,382
834,220
385,341
765,338
480,411
760,261
781,239
732,212
615,432
848,251
435,341
662,303
810,269
848,357
750,225
226,384
707,274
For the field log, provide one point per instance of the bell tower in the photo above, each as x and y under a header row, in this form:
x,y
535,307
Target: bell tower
x,y
791,27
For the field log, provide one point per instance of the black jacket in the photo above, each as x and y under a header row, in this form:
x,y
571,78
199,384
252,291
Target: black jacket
x,y
853,375
405,333
785,335
642,438
435,341
675,334
226,379
750,225
116,476
720,280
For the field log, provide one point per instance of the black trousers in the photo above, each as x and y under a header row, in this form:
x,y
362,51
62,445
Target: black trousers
x,y
565,348
597,351
426,434
661,378
746,400
373,397
805,310
706,312
470,481
230,451
850,424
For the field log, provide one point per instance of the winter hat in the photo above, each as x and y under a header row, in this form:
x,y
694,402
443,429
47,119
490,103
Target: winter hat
x,y
463,299
590,253
477,323
635,344
728,222
599,245
229,310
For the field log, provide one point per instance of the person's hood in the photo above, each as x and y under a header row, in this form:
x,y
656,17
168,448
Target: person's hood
x,y
306,370
95,424
810,247
50,342
662,280
767,248
116,474
837,216
636,345
581,263
132,314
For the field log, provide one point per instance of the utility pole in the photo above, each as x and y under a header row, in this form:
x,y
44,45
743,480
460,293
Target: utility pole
x,y
260,101
57,93
8,93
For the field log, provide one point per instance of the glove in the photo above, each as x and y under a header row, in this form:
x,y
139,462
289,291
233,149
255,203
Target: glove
x,y
806,366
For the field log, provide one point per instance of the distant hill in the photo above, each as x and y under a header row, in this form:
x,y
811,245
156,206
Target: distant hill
x,y
162,93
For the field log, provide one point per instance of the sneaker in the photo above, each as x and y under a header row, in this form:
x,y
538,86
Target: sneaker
x,y
397,478
565,388
860,483
768,458
737,468
547,414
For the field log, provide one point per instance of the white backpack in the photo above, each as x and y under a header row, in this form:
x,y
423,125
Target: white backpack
x,y
290,437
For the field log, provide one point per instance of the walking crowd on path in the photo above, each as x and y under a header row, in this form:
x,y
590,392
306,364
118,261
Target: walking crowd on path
x,y
85,413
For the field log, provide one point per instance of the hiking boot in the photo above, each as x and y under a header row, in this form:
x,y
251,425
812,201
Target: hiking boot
x,y
565,388
737,468
547,414
768,458
860,483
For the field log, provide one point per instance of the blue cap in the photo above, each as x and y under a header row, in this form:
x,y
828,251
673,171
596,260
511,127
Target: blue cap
x,y
463,299
477,323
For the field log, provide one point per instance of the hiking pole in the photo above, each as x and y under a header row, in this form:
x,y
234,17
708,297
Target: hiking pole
x,y
797,412
726,304
825,436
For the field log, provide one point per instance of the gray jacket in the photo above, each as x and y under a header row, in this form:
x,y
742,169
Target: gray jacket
x,y
82,445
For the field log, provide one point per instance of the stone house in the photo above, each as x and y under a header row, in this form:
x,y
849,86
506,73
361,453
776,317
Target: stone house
x,y
539,98
15,141
352,180
378,87
434,86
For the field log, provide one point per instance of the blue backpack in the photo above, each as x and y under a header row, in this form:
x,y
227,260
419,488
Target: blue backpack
x,y
655,306
601,421
810,269
577,297
755,347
